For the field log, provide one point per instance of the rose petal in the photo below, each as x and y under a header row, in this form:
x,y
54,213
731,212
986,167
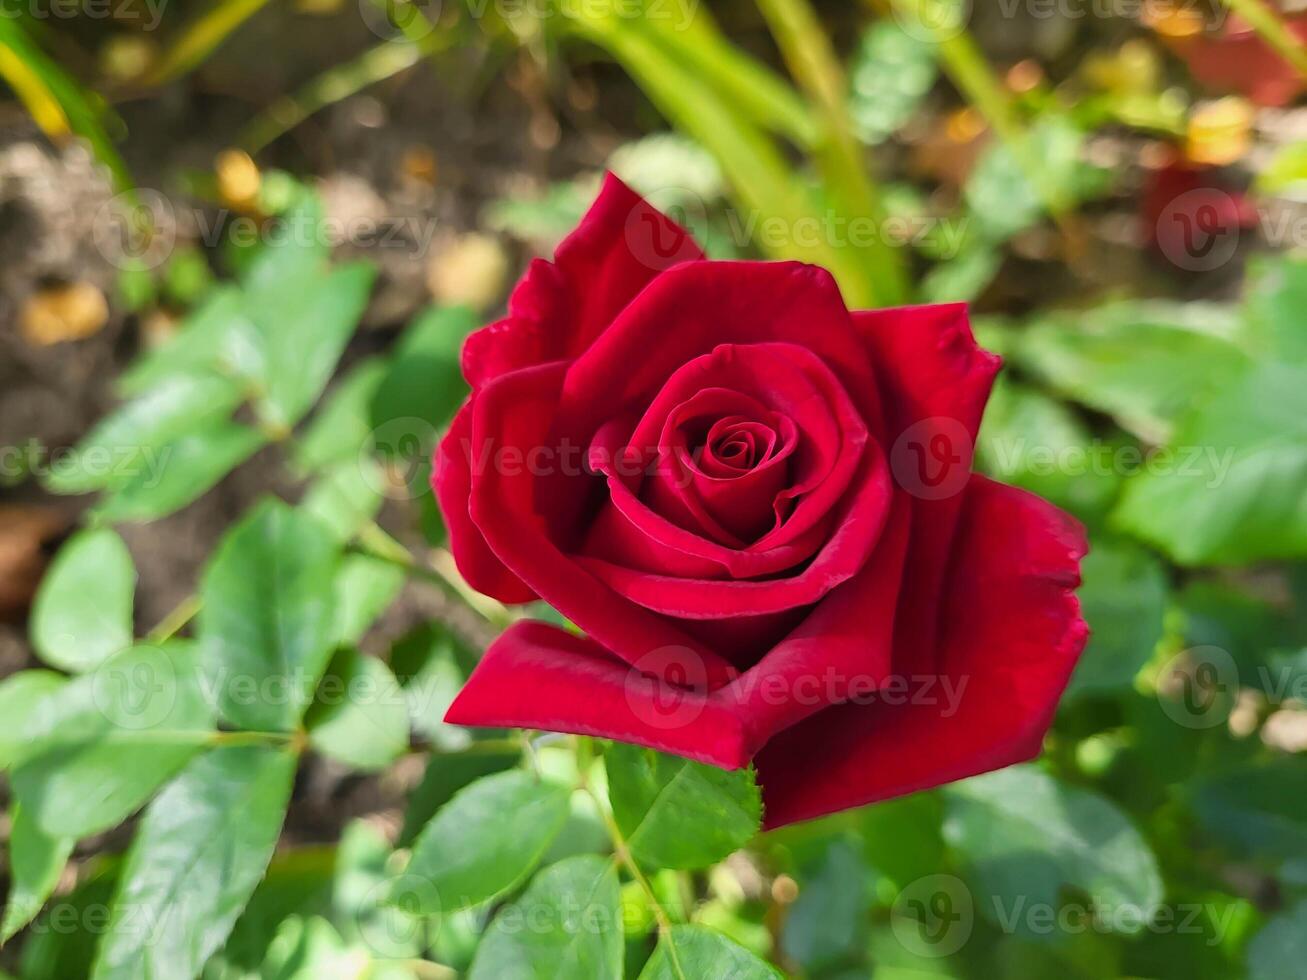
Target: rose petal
x,y
559,308
1011,635
935,381
451,481
513,415
538,676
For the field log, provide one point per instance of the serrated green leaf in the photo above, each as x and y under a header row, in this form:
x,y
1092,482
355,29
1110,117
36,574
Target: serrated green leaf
x,y
1235,493
338,431
1035,442
692,951
22,697
365,587
424,383
103,743
185,470
130,439
266,625
303,326
432,665
360,716
199,348
1123,598
1256,811
1278,951
675,813
1145,364
202,847
567,924
82,612
485,841
35,862
445,775
1024,837
345,497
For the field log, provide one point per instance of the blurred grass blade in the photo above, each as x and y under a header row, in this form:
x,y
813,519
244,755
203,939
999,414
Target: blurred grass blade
x,y
374,65
202,37
808,52
763,183
58,104
766,98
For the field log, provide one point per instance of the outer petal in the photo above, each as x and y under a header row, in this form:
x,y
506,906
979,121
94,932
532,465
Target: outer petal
x,y
558,309
1011,635
538,676
451,480
935,381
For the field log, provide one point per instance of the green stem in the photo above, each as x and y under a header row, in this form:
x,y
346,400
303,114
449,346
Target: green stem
x,y
172,623
622,854
813,61
373,66
1268,23
764,186
201,37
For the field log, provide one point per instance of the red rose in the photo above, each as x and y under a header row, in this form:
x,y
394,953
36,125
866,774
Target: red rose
x,y
759,508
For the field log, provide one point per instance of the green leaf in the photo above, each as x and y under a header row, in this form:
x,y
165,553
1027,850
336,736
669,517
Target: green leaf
x,y
1123,597
486,840
1276,294
82,612
131,438
1256,811
424,382
266,626
202,847
1033,441
102,744
891,73
1145,364
185,470
345,497
567,924
311,949
828,920
1234,494
692,951
303,326
1024,837
338,431
675,813
1002,194
22,697
365,587
360,716
445,775
1278,951
52,950
35,862
202,346
432,665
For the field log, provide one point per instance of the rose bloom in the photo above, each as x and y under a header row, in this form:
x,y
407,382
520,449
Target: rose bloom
x,y
758,508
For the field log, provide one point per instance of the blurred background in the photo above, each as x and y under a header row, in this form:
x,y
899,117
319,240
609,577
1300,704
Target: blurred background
x,y
1118,187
